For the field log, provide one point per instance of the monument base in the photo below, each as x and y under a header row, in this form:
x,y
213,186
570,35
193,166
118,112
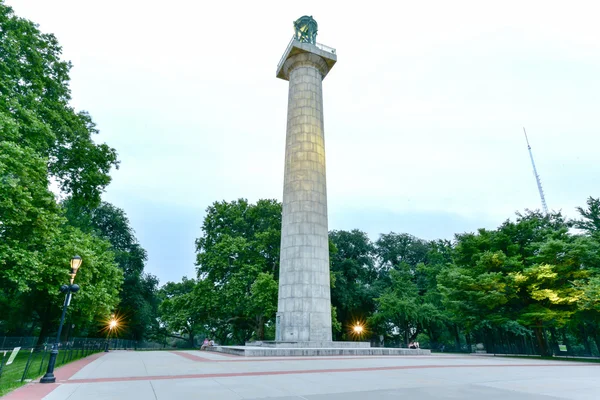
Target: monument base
x,y
309,345
295,349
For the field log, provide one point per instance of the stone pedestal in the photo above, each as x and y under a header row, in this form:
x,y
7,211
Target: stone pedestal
x,y
304,304
322,349
309,345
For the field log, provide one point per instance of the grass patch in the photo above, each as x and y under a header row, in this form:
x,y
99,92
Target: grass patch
x,y
15,375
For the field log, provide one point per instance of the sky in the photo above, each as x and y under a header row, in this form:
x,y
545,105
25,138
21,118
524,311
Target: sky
x,y
424,110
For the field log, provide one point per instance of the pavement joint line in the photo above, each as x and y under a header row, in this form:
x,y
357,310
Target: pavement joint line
x,y
153,391
227,388
144,364
312,371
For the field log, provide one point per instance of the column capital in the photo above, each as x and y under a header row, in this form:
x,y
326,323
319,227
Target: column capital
x,y
322,56
303,60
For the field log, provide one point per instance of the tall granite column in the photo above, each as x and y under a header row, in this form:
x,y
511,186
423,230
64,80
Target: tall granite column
x,y
304,306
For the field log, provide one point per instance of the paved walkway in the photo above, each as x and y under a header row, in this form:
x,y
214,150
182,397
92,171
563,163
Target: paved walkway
x,y
182,375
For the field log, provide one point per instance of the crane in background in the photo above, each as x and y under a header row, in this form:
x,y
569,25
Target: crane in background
x,y
537,177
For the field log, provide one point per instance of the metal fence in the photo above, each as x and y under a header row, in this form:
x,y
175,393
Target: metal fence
x,y
22,359
8,343
124,344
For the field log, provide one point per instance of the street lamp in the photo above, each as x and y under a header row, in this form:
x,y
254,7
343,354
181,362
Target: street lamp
x,y
112,324
67,289
358,329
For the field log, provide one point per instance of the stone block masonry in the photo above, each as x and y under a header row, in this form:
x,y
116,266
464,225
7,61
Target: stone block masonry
x,y
304,305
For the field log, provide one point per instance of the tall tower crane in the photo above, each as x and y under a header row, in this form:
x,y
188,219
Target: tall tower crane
x,y
537,177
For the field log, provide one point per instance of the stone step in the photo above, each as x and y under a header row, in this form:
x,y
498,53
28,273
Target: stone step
x,y
321,344
249,351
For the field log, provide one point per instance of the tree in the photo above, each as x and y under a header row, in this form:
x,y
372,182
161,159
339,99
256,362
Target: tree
x,y
43,140
178,310
36,247
99,278
401,309
353,275
29,217
139,296
236,254
590,221
263,301
35,111
396,248
525,271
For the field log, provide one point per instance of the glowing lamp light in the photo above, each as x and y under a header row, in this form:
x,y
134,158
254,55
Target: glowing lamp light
x,y
75,264
358,329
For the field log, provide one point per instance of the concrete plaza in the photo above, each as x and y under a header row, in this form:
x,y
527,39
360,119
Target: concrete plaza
x,y
182,375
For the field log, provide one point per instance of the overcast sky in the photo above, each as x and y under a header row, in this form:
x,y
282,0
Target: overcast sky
x,y
424,111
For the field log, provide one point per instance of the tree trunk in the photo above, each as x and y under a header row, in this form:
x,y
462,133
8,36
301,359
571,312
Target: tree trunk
x,y
488,341
585,340
413,337
541,342
433,338
260,331
469,343
191,338
456,337
554,341
597,340
47,329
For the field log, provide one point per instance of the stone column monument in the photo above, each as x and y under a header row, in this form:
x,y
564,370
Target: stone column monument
x,y
303,320
304,306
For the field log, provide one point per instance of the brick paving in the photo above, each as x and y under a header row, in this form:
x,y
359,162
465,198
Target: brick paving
x,y
163,375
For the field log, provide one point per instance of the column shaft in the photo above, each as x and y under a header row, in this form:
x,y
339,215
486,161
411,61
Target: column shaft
x,y
304,307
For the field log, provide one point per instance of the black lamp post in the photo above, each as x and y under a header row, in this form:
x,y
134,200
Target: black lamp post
x,y
111,325
67,289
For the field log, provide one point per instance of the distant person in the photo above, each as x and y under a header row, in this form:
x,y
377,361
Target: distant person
x,y
442,347
205,344
212,343
411,345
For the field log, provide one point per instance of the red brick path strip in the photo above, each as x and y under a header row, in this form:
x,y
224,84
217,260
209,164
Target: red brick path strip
x,y
312,371
226,354
37,391
192,357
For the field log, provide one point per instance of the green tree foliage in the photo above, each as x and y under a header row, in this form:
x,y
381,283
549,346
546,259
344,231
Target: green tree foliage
x,y
43,141
519,278
35,110
406,303
29,217
238,253
179,310
138,307
589,306
353,275
524,287
590,218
